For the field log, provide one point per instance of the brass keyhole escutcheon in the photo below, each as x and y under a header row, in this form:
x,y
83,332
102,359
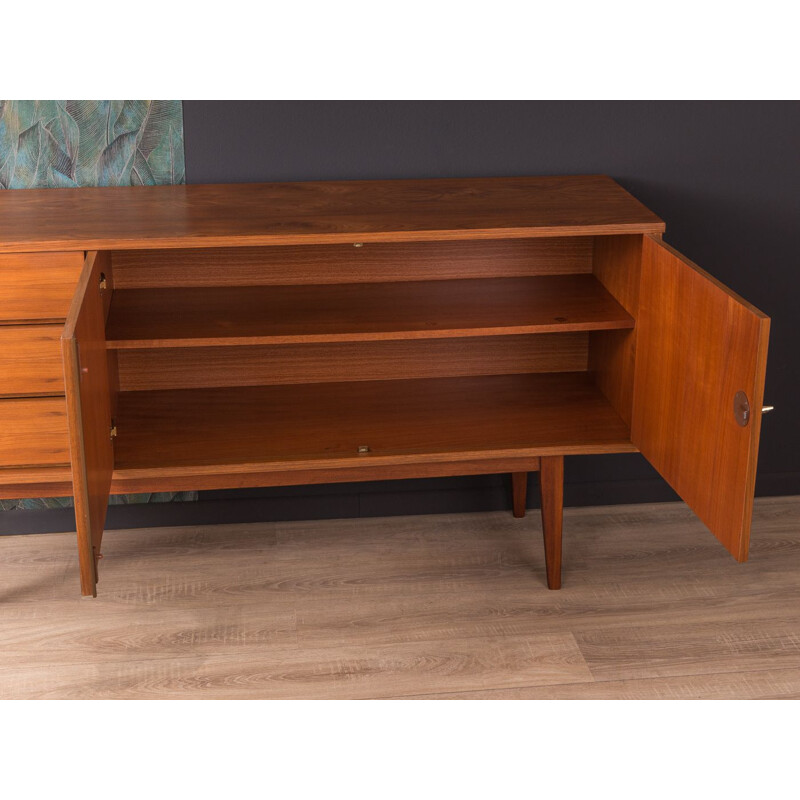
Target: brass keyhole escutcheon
x,y
741,409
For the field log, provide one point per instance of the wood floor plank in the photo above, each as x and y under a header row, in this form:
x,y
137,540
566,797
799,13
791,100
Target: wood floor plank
x,y
691,649
154,633
495,613
344,672
434,606
772,684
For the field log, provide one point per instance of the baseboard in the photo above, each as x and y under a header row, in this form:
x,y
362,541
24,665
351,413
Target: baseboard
x,y
375,499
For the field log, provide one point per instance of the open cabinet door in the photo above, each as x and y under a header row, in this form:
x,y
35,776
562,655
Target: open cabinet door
x,y
89,410
701,355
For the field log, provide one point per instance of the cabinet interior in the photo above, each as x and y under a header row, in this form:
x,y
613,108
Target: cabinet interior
x,y
327,356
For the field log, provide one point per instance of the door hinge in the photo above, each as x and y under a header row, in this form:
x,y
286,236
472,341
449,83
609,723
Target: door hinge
x,y
113,432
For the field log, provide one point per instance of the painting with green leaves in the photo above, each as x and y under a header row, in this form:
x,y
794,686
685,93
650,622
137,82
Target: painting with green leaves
x,y
69,143
52,144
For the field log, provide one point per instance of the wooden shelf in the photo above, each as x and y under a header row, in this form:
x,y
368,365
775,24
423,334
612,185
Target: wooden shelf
x,y
317,426
201,317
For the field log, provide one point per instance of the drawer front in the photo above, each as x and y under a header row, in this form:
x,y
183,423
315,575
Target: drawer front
x,y
30,360
21,482
37,286
33,432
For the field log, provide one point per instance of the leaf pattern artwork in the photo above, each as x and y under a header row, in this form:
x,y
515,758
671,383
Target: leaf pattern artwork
x,y
30,504
54,144
68,143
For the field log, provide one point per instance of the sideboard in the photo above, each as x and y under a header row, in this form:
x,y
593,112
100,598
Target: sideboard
x,y
195,337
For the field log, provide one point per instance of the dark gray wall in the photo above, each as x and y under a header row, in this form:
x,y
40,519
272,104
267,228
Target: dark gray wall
x,y
725,176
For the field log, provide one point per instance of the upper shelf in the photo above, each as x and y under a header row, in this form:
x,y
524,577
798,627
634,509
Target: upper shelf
x,y
241,315
132,217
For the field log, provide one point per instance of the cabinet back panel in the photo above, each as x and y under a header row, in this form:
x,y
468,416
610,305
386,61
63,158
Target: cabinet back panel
x,y
198,367
369,263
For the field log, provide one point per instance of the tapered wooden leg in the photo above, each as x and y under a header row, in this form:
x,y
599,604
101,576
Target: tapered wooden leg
x,y
88,568
551,481
519,490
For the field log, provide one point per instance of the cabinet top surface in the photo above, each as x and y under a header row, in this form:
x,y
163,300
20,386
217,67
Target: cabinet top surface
x,y
318,213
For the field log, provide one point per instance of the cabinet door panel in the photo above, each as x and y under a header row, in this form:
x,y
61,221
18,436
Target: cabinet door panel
x,y
89,411
698,345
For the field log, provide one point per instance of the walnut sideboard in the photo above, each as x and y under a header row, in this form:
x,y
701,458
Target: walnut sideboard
x,y
195,337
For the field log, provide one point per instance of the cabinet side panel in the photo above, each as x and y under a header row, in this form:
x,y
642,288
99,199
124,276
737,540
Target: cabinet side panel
x,y
612,354
699,345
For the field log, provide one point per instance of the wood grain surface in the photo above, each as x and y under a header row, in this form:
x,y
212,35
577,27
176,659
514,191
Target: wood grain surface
x,y
202,317
698,344
266,365
345,263
36,286
612,354
551,491
89,410
20,482
451,606
136,217
192,432
33,432
30,360
243,476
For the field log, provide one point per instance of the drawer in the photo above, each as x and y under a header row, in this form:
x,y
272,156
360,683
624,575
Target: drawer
x,y
33,432
22,482
37,286
30,360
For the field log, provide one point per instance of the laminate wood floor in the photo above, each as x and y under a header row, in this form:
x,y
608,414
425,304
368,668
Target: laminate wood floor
x,y
427,606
